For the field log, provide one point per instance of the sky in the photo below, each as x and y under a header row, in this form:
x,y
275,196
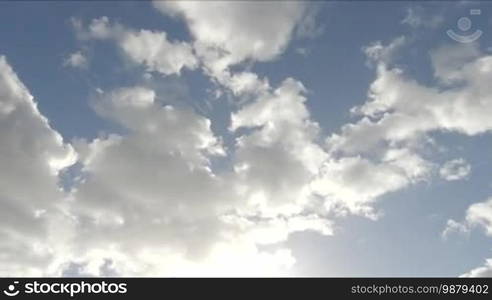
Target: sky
x,y
245,138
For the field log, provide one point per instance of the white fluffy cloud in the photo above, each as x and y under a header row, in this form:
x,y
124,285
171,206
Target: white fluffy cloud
x,y
448,61
278,160
455,169
32,156
229,32
149,48
477,215
483,271
480,214
399,115
175,199
152,201
352,184
179,215
76,60
400,110
153,50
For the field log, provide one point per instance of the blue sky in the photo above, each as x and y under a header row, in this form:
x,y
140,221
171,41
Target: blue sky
x,y
187,150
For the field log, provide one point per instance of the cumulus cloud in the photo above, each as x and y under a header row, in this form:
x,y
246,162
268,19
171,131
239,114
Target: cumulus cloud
x,y
153,50
265,197
153,201
229,32
146,47
400,113
352,184
483,271
395,119
154,223
76,60
400,110
477,215
280,157
32,156
169,149
455,169
448,61
224,34
480,214
180,215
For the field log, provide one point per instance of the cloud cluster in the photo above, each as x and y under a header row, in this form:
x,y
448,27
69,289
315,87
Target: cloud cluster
x,y
173,209
480,214
400,109
32,155
227,33
150,48
352,184
180,208
484,271
151,202
477,215
282,179
401,113
455,169
230,33
146,203
166,197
